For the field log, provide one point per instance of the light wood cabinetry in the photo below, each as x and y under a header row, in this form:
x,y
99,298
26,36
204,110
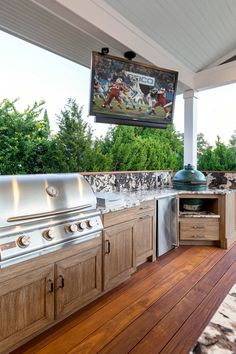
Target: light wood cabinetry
x,y
219,228
117,217
129,239
205,230
26,305
145,233
199,229
119,257
38,293
228,208
78,280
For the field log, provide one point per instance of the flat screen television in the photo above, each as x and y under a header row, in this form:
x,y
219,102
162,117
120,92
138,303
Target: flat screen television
x,y
131,93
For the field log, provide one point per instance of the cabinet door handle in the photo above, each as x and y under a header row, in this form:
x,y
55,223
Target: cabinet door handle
x,y
62,282
107,247
199,236
142,208
198,227
51,286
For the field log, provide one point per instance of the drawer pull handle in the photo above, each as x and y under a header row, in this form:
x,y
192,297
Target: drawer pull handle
x,y
199,236
142,208
198,227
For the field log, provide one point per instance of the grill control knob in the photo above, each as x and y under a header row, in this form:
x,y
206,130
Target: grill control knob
x,y
82,225
91,223
73,228
24,241
49,234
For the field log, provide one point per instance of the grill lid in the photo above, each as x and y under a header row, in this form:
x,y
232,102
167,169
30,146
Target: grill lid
x,y
189,179
26,197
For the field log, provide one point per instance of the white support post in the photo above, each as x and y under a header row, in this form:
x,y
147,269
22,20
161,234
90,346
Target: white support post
x,y
190,127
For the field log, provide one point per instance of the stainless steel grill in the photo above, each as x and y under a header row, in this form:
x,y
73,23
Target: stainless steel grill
x,y
43,213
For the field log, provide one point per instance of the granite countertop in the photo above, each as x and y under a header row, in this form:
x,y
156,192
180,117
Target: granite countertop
x,y
114,201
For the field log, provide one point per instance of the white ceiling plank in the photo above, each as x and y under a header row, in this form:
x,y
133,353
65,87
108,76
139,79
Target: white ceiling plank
x,y
196,32
30,22
217,76
93,34
106,19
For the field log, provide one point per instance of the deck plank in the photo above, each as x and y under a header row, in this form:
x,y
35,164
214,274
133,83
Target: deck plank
x,y
136,331
201,316
162,333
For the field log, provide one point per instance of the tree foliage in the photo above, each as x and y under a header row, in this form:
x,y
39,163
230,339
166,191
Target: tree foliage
x,y
24,139
219,158
202,145
134,148
73,140
27,145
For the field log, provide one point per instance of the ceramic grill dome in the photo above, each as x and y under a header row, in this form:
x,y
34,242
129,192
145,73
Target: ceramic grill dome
x,y
189,179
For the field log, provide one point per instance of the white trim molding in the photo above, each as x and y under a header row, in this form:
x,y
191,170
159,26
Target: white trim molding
x,y
217,76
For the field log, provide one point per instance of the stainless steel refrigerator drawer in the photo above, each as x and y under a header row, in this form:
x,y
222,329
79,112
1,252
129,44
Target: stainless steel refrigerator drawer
x,y
166,224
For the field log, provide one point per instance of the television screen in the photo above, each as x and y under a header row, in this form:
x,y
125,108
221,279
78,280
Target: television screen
x,y
131,93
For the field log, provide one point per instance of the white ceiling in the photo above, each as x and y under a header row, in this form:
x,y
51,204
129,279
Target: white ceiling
x,y
190,36
196,32
35,24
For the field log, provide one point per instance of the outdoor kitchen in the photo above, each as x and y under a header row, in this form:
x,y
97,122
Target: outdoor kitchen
x,y
79,239
139,255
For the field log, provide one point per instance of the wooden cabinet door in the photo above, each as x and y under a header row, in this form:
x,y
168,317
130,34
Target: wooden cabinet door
x,y
78,280
144,237
26,305
119,256
230,219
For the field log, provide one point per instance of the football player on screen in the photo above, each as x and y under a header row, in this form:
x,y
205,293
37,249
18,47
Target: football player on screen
x,y
98,91
160,101
136,94
116,91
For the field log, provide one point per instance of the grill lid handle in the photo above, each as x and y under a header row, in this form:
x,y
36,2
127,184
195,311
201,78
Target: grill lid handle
x,y
49,213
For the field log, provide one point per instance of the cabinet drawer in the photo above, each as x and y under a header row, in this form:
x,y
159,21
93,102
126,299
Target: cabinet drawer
x,y
201,229
118,217
146,206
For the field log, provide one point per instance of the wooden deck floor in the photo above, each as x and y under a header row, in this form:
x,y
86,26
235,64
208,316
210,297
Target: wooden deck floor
x,y
161,309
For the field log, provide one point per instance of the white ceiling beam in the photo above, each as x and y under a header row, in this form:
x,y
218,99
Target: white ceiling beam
x,y
227,56
217,76
108,21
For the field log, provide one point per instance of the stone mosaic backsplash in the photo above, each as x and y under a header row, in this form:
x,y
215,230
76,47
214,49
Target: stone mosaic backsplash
x,y
129,181
134,181
221,180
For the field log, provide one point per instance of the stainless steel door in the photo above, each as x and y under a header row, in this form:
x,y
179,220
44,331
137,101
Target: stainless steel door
x,y
166,224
